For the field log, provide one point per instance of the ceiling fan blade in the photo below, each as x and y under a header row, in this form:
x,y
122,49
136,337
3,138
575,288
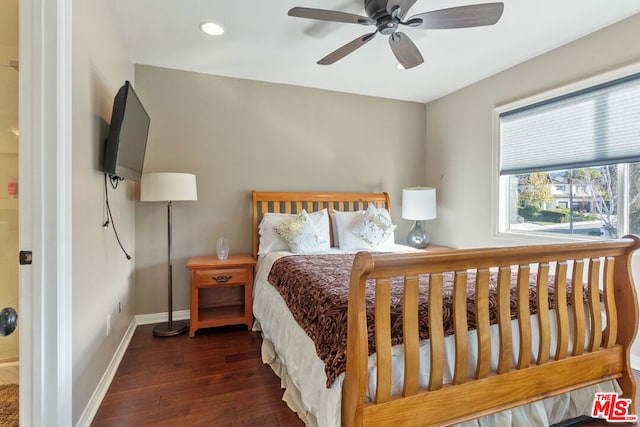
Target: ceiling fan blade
x,y
475,15
343,51
402,5
329,15
405,50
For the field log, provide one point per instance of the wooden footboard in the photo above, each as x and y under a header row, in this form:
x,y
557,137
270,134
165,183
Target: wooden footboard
x,y
585,352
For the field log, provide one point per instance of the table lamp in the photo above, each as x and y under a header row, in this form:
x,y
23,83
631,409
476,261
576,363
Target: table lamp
x,y
418,204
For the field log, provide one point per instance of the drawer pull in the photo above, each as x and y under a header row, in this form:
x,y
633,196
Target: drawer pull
x,y
222,279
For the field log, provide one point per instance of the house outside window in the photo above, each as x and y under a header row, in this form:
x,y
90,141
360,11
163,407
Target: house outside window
x,y
569,162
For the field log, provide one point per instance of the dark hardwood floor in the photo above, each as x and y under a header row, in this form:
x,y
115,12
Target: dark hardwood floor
x,y
216,378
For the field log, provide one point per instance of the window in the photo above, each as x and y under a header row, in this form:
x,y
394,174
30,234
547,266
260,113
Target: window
x,y
570,163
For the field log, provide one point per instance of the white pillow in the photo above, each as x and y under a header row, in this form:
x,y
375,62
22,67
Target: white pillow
x,y
300,234
347,224
271,241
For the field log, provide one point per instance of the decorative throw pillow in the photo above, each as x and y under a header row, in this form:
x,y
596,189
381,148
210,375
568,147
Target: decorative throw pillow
x,y
348,225
375,226
300,234
271,241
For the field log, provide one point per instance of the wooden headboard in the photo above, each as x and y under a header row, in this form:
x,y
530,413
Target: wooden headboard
x,y
294,202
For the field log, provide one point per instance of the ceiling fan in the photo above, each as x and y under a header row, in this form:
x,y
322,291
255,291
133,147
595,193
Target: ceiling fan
x,y
388,15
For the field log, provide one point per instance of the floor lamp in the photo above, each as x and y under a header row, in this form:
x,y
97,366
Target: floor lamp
x,y
419,204
168,187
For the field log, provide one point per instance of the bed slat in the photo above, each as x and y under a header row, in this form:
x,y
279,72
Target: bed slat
x,y
577,305
611,331
595,338
542,303
561,310
483,324
460,327
411,336
383,339
524,321
504,319
436,332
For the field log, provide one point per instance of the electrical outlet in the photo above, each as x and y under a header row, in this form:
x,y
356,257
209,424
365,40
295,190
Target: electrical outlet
x,y
108,325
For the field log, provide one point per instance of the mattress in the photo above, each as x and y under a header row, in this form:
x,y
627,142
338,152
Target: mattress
x,y
292,355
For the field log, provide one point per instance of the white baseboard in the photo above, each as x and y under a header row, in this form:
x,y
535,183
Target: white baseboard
x,y
145,319
96,398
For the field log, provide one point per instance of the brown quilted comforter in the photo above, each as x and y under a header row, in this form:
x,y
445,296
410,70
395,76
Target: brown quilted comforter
x,y
316,288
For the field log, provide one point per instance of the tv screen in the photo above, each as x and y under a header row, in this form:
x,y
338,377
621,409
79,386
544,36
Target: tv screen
x,y
125,146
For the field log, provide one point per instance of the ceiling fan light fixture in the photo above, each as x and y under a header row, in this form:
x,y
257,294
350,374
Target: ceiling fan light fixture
x,y
211,28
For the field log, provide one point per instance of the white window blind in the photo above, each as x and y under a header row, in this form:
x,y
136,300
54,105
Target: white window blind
x,y
595,126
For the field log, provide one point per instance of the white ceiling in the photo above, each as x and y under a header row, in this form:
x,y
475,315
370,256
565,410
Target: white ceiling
x,y
262,43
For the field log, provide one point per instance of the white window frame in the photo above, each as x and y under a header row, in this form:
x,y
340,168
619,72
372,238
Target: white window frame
x,y
499,184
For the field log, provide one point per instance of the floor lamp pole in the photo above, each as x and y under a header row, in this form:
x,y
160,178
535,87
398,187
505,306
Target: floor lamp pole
x,y
171,328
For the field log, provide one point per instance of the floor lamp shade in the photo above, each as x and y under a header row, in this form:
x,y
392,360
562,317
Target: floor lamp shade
x,y
418,204
168,187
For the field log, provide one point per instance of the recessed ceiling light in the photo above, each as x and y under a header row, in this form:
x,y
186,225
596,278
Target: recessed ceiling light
x,y
211,28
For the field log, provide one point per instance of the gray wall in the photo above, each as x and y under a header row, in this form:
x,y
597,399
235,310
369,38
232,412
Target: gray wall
x,y
240,135
102,276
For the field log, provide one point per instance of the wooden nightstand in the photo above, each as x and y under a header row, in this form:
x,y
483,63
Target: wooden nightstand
x,y
221,291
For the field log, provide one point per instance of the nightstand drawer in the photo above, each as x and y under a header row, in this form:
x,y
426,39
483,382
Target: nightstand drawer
x,y
221,276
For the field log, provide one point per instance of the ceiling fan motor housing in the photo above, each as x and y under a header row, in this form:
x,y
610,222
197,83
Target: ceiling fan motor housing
x,y
377,10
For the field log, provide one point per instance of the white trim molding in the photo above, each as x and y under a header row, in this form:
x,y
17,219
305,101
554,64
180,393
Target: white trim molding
x,y
147,319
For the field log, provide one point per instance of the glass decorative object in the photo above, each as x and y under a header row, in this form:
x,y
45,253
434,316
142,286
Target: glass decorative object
x,y
222,248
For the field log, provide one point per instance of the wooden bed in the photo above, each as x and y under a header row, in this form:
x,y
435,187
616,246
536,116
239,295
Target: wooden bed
x,y
597,354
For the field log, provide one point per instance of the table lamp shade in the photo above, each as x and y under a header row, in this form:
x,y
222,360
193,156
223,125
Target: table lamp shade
x,y
168,186
419,203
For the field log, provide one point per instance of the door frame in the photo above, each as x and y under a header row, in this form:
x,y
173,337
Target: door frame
x,y
45,29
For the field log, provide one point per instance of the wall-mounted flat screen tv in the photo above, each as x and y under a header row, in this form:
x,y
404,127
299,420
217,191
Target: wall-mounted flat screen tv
x,y
127,141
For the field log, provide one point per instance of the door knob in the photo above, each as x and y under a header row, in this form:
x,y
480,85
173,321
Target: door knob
x,y
8,321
